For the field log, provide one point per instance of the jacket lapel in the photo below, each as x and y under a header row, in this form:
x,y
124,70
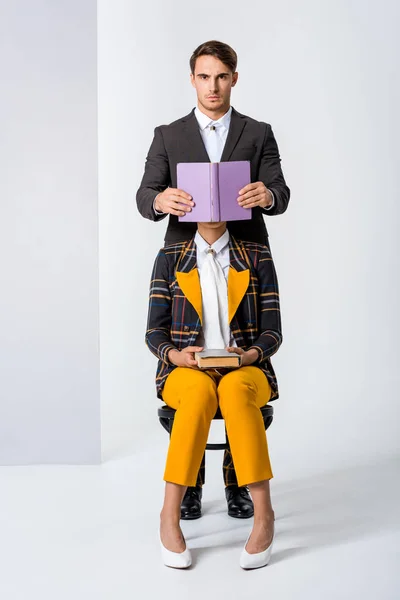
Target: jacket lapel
x,y
238,277
235,131
195,150
187,276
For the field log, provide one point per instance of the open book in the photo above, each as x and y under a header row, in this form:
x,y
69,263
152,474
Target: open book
x,y
208,359
214,188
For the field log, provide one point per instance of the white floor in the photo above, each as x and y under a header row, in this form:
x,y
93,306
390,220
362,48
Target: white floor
x,y
91,532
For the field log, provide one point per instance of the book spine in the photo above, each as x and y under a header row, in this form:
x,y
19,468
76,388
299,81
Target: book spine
x,y
215,207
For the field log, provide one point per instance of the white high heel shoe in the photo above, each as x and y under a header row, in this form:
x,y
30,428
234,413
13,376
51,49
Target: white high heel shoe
x,y
255,561
177,560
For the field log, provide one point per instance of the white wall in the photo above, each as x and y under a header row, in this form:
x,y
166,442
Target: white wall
x,y
324,75
49,326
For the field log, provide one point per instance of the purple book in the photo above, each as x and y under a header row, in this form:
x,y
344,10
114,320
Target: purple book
x,y
214,188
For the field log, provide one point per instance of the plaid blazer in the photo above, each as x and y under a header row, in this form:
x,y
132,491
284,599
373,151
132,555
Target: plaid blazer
x,y
175,304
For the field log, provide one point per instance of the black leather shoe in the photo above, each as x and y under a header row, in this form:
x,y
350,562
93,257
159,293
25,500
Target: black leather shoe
x,y
191,504
240,505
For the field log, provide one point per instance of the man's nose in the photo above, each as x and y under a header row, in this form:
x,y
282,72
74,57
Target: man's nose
x,y
214,85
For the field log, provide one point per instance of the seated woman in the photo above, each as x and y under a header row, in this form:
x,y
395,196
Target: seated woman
x,y
215,292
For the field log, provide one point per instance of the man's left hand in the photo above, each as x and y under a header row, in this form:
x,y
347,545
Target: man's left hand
x,y
255,194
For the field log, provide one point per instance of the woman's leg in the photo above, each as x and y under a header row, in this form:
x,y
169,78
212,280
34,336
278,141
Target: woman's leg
x,y
241,394
194,396
170,531
263,526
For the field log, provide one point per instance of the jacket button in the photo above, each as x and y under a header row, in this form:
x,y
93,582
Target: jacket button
x,y
186,328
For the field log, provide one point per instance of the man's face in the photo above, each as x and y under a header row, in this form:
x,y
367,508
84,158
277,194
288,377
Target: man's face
x,y
213,82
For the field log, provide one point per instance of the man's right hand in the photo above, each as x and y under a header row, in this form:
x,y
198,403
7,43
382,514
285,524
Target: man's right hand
x,y
185,357
174,201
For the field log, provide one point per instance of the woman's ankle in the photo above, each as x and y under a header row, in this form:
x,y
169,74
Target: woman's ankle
x,y
265,519
170,518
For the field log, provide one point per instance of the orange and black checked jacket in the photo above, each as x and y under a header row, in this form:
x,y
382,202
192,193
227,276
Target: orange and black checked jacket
x,y
175,305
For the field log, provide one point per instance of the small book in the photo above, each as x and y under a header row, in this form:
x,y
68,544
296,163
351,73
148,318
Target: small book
x,y
214,188
208,359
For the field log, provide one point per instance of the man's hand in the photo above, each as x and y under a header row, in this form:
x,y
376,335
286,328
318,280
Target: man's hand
x,y
174,201
255,194
185,357
248,356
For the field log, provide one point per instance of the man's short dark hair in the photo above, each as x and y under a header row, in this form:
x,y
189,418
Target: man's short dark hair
x,y
223,52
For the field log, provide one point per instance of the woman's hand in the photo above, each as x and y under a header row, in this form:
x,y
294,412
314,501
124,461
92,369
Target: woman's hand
x,y
185,357
248,356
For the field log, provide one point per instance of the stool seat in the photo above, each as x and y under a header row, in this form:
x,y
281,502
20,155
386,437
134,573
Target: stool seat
x,y
166,416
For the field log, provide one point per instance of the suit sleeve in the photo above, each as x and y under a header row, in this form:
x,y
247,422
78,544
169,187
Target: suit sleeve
x,y
270,328
270,173
156,177
159,319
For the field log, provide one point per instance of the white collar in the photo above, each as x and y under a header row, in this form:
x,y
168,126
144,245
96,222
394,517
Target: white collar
x,y
218,245
204,120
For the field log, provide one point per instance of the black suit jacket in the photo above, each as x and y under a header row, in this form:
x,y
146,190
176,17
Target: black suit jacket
x,y
181,141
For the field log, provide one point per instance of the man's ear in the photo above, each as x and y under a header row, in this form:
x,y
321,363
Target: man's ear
x,y
192,79
235,77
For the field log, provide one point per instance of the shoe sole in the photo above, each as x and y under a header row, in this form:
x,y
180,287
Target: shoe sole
x,y
190,518
240,516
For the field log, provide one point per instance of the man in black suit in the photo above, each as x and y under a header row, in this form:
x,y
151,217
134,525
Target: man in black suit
x,y
214,131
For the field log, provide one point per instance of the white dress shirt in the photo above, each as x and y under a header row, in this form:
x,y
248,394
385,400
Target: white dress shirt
x,y
221,249
221,132
214,153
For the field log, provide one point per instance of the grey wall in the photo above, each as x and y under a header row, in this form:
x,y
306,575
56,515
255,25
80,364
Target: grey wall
x,y
49,324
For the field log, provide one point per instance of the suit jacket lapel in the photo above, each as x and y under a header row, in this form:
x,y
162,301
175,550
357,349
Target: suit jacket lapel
x,y
238,277
187,276
235,131
195,149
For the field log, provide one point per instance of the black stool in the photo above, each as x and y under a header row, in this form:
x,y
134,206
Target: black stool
x,y
166,415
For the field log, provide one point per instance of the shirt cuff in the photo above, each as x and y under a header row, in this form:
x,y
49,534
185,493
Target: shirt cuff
x,y
157,212
273,200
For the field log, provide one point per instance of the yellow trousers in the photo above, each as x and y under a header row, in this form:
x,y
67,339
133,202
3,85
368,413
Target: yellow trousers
x,y
196,395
